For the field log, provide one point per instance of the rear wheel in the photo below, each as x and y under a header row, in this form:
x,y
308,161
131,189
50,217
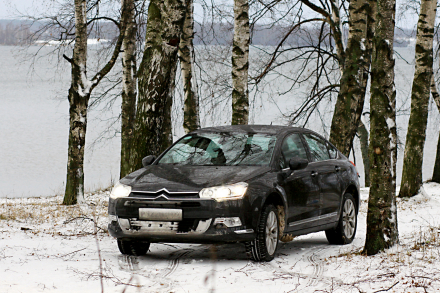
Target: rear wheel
x,y
346,230
265,245
133,247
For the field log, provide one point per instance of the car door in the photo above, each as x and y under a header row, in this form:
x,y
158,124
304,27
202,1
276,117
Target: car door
x,y
302,187
326,165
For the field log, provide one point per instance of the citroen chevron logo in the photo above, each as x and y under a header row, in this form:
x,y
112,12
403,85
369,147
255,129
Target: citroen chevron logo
x,y
162,196
163,190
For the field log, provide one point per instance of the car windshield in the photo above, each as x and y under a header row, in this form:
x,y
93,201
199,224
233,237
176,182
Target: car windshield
x,y
222,149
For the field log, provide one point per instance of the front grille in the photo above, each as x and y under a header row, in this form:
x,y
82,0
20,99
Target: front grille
x,y
162,204
164,194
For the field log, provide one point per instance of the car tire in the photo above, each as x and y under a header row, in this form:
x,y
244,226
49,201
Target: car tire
x,y
133,247
346,230
265,245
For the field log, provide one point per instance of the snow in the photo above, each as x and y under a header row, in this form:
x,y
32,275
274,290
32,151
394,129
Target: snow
x,y
53,247
70,42
362,44
85,82
390,123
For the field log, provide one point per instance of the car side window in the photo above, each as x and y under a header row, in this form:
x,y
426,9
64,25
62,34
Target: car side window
x,y
292,147
317,147
332,151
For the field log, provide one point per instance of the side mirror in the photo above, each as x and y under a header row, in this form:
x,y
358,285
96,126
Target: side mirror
x,y
296,163
148,160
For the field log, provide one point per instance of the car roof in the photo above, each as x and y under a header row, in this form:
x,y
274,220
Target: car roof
x,y
268,129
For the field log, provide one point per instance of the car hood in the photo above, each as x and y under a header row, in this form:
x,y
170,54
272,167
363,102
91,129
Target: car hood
x,y
189,178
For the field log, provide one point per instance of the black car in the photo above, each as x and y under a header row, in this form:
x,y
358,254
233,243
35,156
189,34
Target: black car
x,y
251,184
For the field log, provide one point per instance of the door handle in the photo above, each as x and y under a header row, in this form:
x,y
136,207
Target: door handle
x,y
337,168
314,174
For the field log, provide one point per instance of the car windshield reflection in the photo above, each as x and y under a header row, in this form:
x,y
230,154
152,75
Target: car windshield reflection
x,y
222,149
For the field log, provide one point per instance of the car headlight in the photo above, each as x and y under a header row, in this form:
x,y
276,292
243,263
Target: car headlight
x,y
226,192
120,190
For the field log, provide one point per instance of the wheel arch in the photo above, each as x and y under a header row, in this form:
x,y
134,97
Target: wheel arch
x,y
353,190
276,198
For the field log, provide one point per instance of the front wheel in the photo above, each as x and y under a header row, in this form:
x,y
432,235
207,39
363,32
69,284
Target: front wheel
x,y
346,230
133,247
265,245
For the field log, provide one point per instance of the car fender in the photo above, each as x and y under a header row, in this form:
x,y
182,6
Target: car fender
x,y
260,201
347,186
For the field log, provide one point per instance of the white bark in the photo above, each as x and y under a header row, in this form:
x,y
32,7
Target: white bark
x,y
79,94
382,230
337,34
129,87
191,119
156,77
240,63
416,136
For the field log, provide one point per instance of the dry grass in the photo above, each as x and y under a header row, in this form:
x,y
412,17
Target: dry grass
x,y
48,215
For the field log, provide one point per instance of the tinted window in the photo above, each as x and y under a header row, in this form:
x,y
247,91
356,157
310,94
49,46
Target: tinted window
x,y
317,147
332,151
292,147
221,149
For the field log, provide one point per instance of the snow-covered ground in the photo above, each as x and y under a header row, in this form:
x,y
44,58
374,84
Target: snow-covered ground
x,y
47,247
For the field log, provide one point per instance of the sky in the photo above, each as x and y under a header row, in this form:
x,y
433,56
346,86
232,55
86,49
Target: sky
x,y
8,10
6,7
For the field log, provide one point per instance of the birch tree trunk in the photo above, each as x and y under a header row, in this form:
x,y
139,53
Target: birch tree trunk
x,y
79,95
191,118
336,26
78,102
240,63
382,212
363,137
416,136
351,97
436,98
129,90
156,77
362,130
436,173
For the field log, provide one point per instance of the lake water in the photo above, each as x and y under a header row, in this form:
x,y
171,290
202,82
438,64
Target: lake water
x,y
34,125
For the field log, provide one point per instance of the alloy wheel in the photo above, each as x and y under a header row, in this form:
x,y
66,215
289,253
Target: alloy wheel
x,y
349,218
271,232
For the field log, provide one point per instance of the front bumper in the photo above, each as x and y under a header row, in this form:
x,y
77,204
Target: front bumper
x,y
200,221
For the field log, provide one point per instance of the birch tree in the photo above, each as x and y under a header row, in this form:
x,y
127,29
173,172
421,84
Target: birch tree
x,y
363,138
129,89
353,64
191,115
382,211
240,63
416,135
79,94
355,68
156,77
436,98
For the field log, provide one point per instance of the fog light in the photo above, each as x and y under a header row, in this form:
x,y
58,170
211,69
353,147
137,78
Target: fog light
x,y
228,222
